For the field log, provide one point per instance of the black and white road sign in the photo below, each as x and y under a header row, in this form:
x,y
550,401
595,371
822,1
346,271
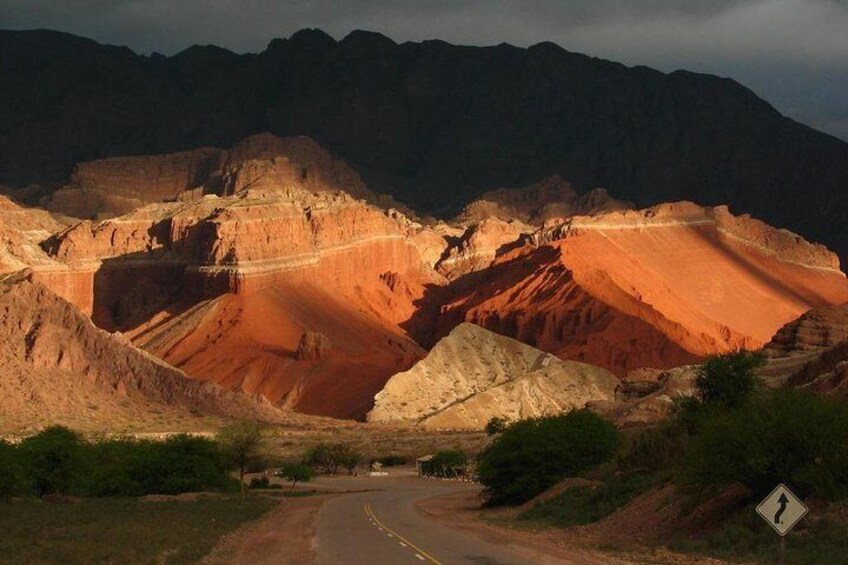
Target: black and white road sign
x,y
782,509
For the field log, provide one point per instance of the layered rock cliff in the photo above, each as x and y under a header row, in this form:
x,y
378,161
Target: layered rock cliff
x,y
262,163
811,351
473,375
225,288
57,367
659,287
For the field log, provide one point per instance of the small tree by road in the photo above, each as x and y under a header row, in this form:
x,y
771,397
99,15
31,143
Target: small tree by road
x,y
240,443
296,472
329,457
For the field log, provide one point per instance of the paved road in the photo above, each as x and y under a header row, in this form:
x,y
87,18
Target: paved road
x,y
382,527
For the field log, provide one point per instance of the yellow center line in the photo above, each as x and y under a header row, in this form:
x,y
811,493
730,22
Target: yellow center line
x,y
370,513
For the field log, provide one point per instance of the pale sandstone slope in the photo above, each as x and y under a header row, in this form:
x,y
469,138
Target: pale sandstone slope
x,y
473,375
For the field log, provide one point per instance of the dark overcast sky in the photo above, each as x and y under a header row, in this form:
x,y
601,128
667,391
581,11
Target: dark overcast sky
x,y
794,53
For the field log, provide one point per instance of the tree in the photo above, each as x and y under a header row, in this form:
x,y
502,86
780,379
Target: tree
x,y
321,457
729,380
533,455
328,457
52,460
348,457
296,472
240,442
784,436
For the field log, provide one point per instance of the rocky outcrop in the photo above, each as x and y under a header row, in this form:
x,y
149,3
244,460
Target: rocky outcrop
x,y
262,164
58,367
811,352
660,287
473,375
551,198
479,245
814,331
250,274
313,346
647,396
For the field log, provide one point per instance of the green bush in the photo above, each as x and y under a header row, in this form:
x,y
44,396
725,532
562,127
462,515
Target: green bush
x,y
446,464
393,460
587,504
11,471
729,380
259,482
58,460
496,425
786,436
533,455
52,460
654,450
296,472
329,457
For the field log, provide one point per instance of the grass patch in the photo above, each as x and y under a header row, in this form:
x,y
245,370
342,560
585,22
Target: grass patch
x,y
746,537
120,530
586,504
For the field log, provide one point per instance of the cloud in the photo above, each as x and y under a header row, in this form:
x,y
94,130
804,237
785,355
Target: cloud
x,y
770,45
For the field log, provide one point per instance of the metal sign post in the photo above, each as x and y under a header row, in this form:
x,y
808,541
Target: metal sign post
x,y
782,510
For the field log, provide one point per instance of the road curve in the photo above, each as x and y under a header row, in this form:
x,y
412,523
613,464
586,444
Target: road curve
x,y
382,526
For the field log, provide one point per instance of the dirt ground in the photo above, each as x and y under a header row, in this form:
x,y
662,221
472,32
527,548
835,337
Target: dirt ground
x,y
462,511
285,535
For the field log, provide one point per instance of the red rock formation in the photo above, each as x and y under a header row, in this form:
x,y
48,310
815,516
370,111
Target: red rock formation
x,y
313,346
659,288
478,246
56,366
262,164
224,288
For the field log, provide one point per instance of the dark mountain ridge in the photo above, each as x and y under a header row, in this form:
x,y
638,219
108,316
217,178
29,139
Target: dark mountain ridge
x,y
431,123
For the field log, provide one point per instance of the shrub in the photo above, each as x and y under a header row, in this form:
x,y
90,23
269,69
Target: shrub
x,y
296,472
496,425
259,482
329,457
654,450
182,463
785,436
533,455
728,380
447,464
11,472
52,460
587,504
393,460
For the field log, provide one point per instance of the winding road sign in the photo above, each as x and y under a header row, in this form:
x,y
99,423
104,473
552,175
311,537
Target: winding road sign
x,y
782,509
